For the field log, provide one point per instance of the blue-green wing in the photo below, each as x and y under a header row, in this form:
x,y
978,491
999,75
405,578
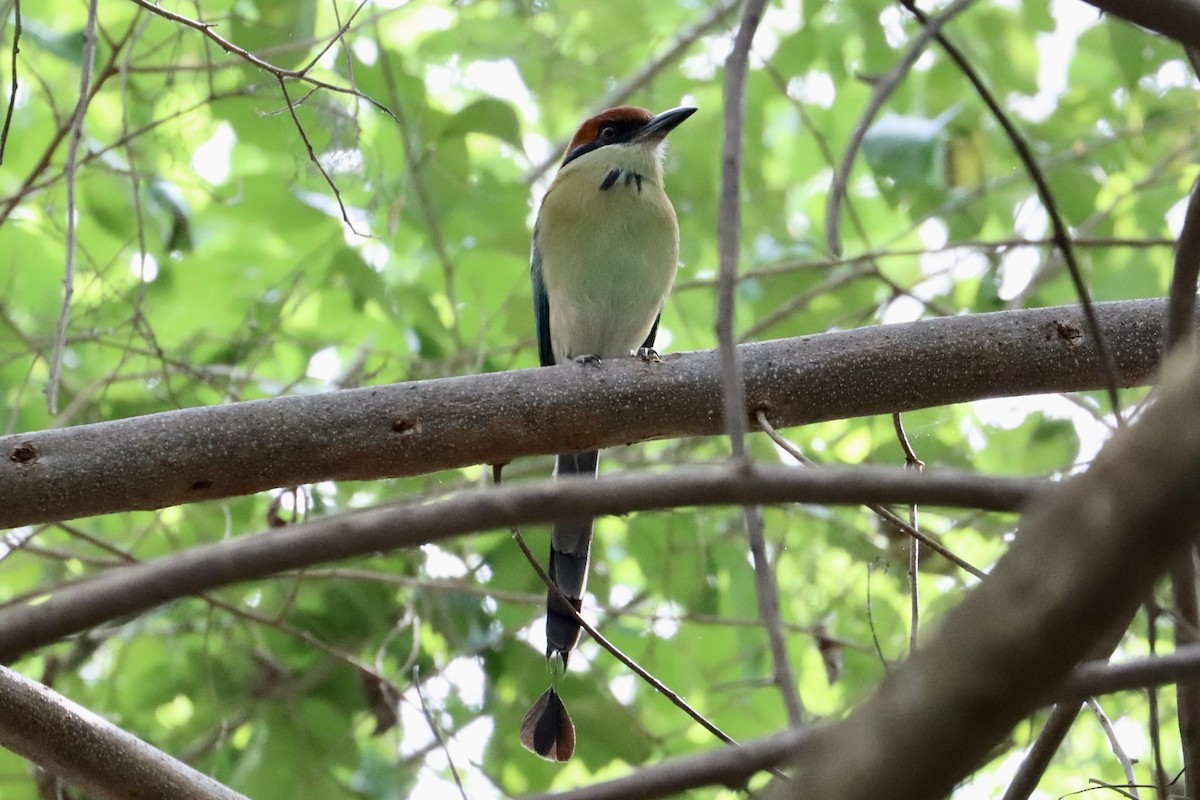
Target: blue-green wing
x,y
541,306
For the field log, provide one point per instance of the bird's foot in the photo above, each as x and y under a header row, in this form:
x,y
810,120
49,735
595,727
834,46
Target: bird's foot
x,y
648,354
588,359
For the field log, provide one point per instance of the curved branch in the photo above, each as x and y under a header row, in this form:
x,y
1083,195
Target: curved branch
x,y
87,603
1062,236
197,454
883,90
91,752
1010,646
626,88
1175,19
1108,534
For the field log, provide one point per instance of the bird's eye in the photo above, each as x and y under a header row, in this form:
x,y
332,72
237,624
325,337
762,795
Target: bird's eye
x,y
608,132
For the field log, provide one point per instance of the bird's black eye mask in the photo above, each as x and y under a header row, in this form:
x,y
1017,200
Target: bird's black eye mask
x,y
615,131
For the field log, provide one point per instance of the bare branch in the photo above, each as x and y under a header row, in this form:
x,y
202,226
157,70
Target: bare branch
x,y
616,652
1100,677
1181,307
731,766
623,91
1009,646
71,246
312,156
71,741
1175,19
883,90
729,224
1003,649
1061,236
884,513
84,604
414,428
1115,743
733,380
12,92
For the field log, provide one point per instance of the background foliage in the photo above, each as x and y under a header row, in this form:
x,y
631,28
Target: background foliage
x,y
214,264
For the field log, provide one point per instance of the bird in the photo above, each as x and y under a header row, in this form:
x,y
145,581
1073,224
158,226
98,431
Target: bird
x,y
604,255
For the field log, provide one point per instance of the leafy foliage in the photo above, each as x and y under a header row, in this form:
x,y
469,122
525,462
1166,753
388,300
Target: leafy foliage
x,y
217,263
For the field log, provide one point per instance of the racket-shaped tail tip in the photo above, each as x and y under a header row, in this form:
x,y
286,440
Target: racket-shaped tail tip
x,y
547,730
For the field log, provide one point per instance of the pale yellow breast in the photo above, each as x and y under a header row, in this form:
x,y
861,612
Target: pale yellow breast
x,y
608,256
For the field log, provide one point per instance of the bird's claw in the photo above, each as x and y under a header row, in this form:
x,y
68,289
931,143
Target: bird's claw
x,y
588,359
648,354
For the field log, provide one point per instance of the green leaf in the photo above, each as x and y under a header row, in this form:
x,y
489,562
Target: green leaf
x,y
277,24
910,151
490,117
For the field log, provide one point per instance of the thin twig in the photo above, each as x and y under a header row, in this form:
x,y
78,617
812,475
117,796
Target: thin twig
x,y
12,94
107,71
823,264
64,316
767,591
883,511
341,39
883,90
229,47
1112,787
409,138
336,38
1187,268
729,231
797,303
626,88
126,558
1115,743
282,49
437,734
1187,693
887,668
914,545
729,224
615,651
312,156
781,83
1160,773
1061,236
123,141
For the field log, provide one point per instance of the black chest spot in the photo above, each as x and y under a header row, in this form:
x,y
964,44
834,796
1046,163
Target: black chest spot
x,y
614,175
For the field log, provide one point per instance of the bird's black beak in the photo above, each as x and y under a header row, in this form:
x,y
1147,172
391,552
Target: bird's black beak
x,y
658,127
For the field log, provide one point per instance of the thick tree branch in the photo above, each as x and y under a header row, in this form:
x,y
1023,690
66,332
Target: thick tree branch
x,y
85,604
735,766
1010,646
732,766
1100,677
91,752
1181,304
1108,535
413,428
1175,19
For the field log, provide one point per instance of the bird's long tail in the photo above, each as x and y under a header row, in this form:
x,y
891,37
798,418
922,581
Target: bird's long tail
x,y
547,729
570,552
